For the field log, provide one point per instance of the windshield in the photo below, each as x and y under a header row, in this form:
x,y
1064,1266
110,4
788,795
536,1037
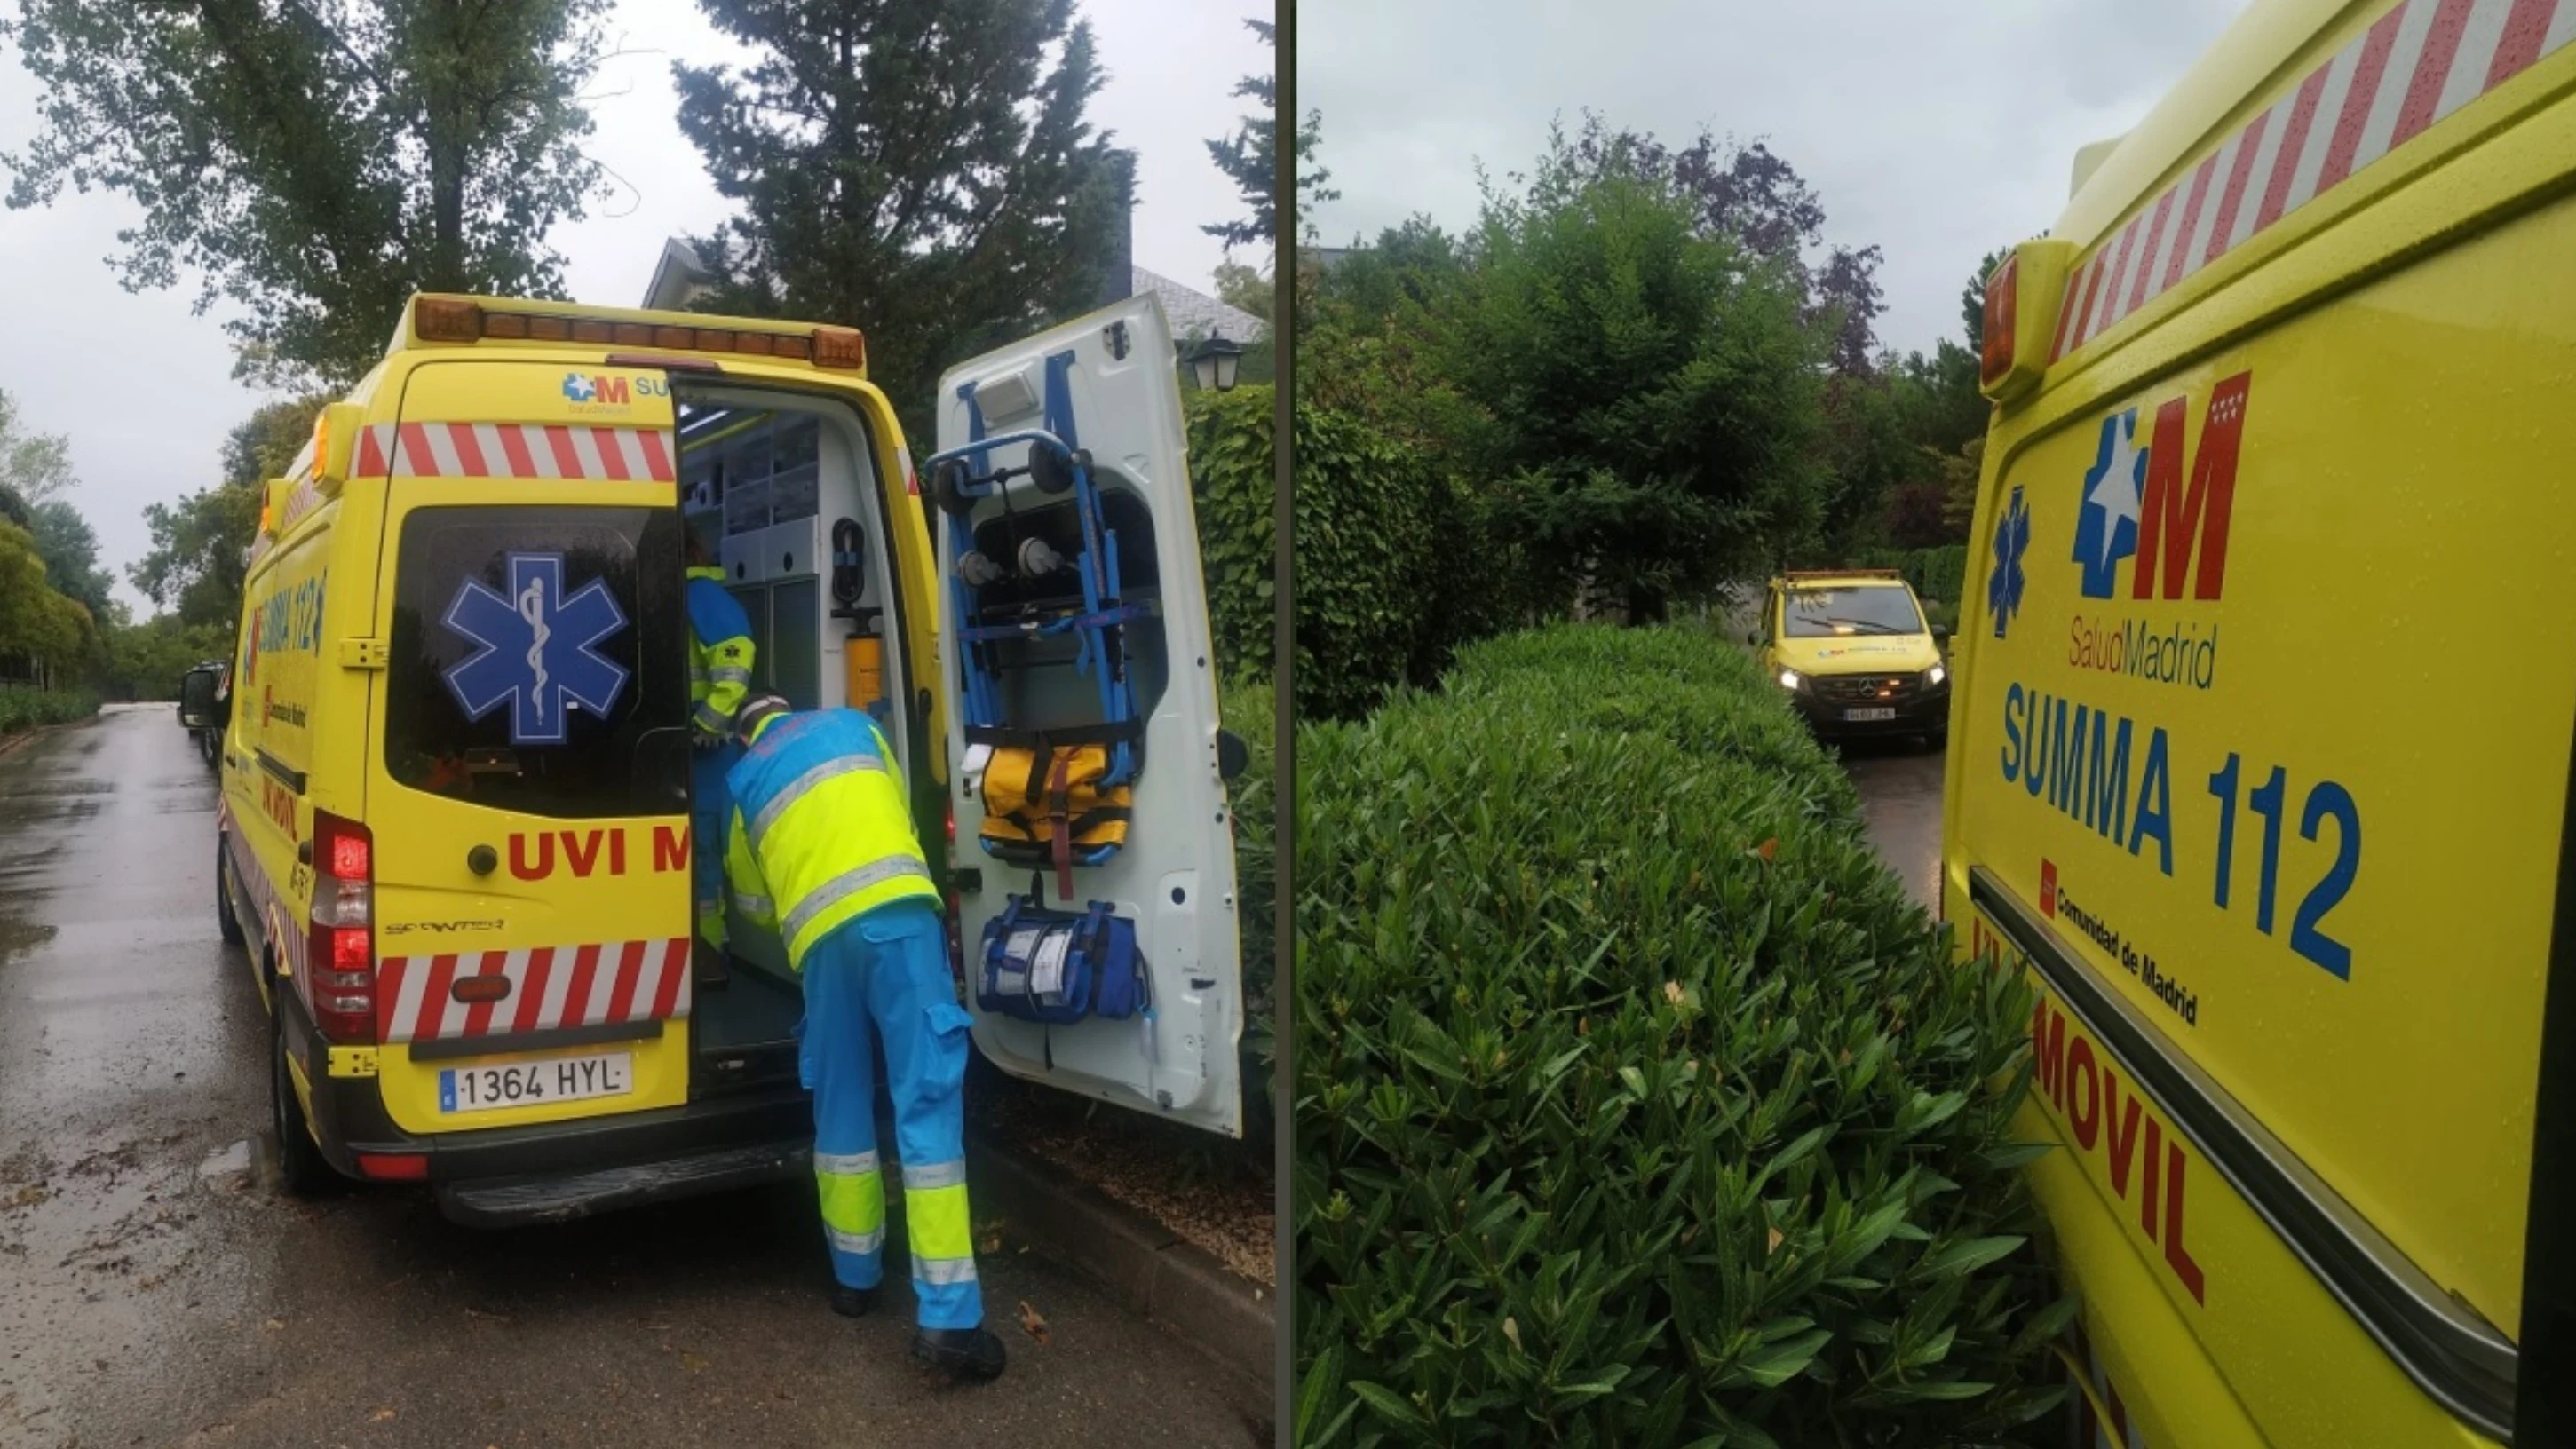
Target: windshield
x,y
1867,609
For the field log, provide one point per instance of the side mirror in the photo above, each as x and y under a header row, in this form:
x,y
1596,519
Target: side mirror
x,y
1233,756
1940,633
1754,638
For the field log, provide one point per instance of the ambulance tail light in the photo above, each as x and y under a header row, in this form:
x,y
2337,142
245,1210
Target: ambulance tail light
x,y
1995,359
2018,325
340,951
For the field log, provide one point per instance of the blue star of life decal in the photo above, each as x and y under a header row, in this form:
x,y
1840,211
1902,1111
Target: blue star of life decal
x,y
578,388
2004,585
538,651
2106,531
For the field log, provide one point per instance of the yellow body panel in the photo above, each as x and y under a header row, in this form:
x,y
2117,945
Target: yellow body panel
x,y
2393,361
1853,653
312,696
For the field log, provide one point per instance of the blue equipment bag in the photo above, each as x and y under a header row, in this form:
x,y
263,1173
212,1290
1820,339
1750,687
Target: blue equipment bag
x,y
1060,967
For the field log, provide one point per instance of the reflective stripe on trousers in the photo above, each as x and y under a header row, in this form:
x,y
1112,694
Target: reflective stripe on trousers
x,y
935,1224
854,1202
889,968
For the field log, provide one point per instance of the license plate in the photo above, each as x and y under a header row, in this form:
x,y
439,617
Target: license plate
x,y
528,1084
1858,716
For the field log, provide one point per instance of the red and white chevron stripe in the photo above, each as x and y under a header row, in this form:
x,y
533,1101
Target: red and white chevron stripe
x,y
514,450
2416,65
558,986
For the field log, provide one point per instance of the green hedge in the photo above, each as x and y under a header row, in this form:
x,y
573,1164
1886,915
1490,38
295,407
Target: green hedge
x,y
1636,1103
1390,576
26,709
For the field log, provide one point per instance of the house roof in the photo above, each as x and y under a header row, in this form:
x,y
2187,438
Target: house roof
x,y
1195,314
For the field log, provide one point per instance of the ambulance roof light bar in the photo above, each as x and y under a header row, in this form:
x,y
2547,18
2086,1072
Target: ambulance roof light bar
x,y
459,320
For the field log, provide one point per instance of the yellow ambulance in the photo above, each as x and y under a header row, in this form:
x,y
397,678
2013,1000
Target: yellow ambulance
x,y
1855,655
2260,764
454,834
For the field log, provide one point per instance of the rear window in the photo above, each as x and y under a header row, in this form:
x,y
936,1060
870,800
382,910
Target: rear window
x,y
538,659
1868,609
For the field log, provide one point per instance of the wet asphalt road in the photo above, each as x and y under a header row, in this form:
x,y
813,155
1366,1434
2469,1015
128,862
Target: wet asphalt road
x,y
1900,800
155,1289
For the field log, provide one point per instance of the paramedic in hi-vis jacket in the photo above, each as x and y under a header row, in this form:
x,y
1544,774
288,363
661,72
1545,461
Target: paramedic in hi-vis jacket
x,y
821,848
719,676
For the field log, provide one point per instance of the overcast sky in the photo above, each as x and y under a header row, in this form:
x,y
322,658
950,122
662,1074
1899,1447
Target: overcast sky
x,y
1938,132
144,389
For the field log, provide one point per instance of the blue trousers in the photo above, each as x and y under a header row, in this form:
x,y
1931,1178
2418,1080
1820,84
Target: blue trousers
x,y
710,809
888,969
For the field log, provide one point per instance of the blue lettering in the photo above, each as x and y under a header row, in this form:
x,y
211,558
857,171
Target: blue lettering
x,y
2013,700
2066,787
2106,806
2155,804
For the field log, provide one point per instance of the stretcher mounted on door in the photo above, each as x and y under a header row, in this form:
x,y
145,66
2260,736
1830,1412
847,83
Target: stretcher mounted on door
x,y
1057,777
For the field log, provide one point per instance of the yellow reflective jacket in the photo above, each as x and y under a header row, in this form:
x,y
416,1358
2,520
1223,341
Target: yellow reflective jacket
x,y
720,652
821,831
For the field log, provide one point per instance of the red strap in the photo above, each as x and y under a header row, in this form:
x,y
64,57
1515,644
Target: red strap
x,y
1060,811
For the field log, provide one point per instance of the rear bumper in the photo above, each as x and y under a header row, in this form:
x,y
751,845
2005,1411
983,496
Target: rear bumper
x,y
548,1172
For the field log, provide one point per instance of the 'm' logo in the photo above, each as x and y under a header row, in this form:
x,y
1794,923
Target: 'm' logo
x,y
538,649
2136,504
580,387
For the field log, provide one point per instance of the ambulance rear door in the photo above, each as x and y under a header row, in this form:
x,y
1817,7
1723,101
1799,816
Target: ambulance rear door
x,y
1106,385
528,781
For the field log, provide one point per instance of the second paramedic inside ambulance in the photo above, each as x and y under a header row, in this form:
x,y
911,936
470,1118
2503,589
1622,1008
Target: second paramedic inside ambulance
x,y
720,660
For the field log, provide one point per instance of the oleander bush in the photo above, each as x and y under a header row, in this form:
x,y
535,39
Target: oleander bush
x,y
1636,1103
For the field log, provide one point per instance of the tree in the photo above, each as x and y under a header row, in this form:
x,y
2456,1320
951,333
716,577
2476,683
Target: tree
x,y
195,565
1649,391
918,169
36,622
317,161
69,548
1750,195
1251,157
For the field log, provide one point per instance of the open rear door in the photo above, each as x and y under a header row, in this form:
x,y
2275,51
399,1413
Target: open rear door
x,y
1073,629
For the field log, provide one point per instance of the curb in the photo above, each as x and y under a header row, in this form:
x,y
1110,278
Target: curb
x,y
1144,1267
11,744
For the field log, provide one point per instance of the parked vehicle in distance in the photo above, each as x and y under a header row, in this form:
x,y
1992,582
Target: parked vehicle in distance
x,y
1854,652
201,708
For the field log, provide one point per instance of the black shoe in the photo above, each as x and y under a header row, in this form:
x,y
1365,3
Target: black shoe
x,y
975,1352
853,1302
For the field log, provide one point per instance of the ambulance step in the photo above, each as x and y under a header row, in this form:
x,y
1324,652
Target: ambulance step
x,y
509,1202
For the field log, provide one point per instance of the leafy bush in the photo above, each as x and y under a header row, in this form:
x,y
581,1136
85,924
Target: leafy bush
x,y
1636,1103
1383,551
26,709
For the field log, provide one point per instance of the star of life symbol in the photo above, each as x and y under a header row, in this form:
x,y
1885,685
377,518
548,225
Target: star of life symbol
x,y
578,388
2004,585
537,649
2106,531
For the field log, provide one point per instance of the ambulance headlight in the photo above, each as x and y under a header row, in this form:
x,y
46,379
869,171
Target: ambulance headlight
x,y
1791,679
1936,675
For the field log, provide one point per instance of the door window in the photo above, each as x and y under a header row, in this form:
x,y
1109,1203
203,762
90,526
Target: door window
x,y
537,658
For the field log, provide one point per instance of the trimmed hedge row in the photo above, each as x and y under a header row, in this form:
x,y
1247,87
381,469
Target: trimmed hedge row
x,y
26,709
1636,1103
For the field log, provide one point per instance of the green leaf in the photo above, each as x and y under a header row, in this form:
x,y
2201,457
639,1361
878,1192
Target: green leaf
x,y
1961,1258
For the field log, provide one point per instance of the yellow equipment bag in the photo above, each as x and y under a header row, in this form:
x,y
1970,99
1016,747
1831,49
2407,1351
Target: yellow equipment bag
x,y
1044,804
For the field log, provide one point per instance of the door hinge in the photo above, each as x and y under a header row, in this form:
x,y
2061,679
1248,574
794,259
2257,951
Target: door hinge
x,y
353,1061
363,654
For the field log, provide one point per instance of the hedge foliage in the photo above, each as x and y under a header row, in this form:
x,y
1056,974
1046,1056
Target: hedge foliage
x,y
1636,1103
26,709
1387,557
